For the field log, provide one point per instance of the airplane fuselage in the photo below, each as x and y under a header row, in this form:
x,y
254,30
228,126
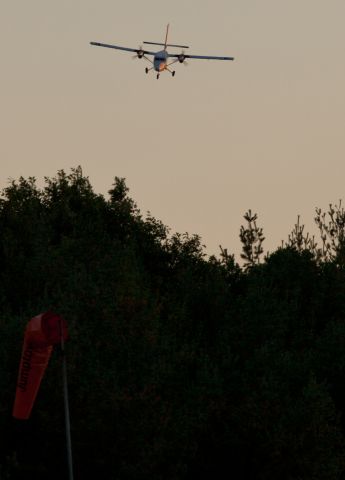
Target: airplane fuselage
x,y
160,61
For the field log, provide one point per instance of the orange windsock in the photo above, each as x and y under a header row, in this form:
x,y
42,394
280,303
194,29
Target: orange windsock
x,y
42,332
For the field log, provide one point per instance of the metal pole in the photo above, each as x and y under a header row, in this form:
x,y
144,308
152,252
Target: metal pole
x,y
66,405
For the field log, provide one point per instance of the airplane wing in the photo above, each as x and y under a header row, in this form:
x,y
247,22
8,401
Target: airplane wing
x,y
202,57
135,50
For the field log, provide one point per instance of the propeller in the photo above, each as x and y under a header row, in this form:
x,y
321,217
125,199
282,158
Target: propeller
x,y
182,58
139,53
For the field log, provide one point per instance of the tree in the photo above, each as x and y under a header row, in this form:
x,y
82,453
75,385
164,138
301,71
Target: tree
x,y
252,239
180,366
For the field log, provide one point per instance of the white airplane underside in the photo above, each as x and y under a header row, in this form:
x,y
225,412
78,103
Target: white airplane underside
x,y
162,59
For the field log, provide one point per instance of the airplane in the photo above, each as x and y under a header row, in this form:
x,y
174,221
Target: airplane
x,y
162,58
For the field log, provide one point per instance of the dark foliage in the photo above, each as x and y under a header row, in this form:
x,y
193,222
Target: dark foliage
x,y
180,366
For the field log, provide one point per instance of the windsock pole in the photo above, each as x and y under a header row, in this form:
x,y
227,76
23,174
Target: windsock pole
x,y
66,405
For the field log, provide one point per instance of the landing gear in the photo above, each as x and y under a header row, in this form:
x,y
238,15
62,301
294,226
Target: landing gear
x,y
146,70
157,76
173,73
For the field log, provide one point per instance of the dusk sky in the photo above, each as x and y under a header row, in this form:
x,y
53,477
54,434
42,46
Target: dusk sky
x,y
265,132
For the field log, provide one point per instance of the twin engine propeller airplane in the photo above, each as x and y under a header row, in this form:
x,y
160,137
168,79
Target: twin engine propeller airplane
x,y
161,60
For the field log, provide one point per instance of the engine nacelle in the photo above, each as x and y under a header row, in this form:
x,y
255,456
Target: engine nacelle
x,y
181,58
140,53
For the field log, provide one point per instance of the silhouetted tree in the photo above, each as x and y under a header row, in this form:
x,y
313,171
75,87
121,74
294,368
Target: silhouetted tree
x,y
252,239
332,233
180,366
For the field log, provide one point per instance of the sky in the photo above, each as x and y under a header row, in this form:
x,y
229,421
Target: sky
x,y
265,132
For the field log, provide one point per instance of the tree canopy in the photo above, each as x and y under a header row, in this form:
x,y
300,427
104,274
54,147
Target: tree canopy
x,y
180,365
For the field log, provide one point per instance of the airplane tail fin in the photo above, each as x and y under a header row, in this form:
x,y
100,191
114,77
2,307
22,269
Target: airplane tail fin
x,y
166,37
